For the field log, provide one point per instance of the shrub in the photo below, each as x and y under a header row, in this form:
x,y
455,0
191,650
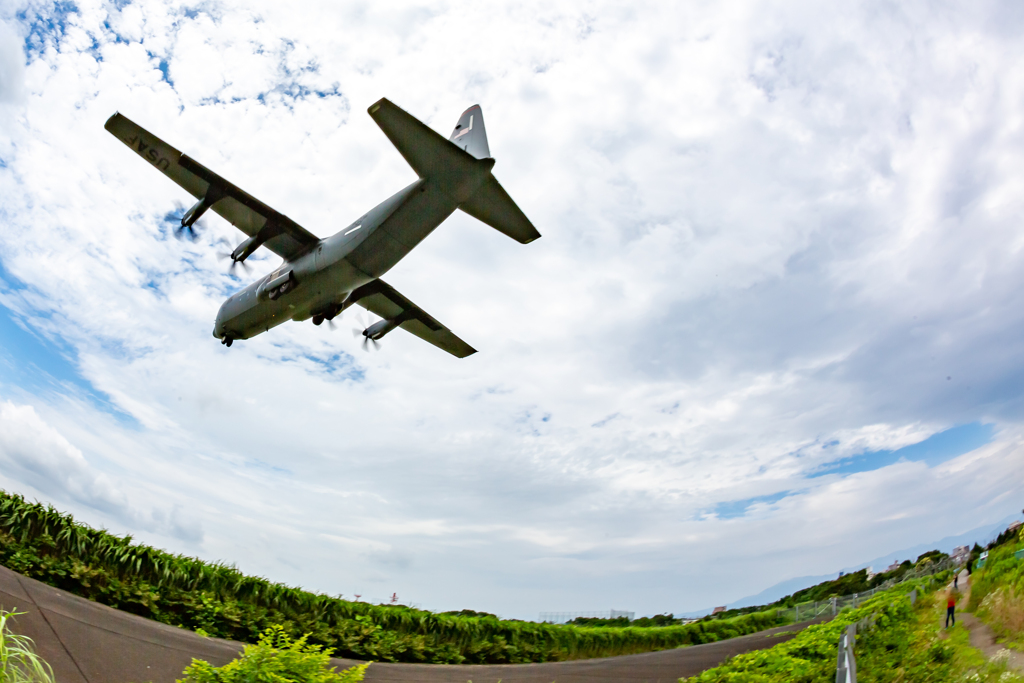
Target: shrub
x,y
277,658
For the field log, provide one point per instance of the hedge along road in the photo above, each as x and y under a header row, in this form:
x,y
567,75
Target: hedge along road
x,y
86,642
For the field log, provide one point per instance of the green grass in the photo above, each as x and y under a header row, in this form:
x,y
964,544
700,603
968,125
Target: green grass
x,y
18,661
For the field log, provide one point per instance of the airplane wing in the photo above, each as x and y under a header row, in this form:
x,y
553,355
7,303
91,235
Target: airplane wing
x,y
238,207
383,300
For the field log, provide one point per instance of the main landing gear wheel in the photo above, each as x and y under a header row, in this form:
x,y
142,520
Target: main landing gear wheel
x,y
227,341
318,319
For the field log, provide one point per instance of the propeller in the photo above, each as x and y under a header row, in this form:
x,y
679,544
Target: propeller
x,y
356,332
227,254
186,231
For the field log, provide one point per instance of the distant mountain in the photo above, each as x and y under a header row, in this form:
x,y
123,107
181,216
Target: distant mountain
x,y
981,535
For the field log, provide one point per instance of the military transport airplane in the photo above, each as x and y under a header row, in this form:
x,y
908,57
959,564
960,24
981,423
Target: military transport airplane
x,y
319,278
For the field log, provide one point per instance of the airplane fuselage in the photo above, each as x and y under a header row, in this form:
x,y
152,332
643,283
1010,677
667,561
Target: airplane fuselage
x,y
317,283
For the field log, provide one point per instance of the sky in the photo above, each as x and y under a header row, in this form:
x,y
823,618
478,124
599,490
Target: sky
x,y
773,327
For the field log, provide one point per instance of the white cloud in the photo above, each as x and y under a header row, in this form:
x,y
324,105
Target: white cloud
x,y
768,228
34,453
12,67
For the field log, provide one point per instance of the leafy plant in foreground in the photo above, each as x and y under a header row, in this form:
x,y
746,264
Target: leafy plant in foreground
x,y
275,658
18,661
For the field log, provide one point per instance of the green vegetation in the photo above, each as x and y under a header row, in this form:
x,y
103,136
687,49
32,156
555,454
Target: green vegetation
x,y
18,661
847,584
997,590
218,600
906,644
657,621
276,658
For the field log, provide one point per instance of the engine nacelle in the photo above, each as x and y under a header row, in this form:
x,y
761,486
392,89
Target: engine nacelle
x,y
381,327
213,195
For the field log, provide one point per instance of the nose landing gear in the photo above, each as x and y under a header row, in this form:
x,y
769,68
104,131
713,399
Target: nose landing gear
x,y
227,341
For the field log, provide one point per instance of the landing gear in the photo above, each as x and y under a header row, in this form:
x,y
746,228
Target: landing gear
x,y
328,314
227,341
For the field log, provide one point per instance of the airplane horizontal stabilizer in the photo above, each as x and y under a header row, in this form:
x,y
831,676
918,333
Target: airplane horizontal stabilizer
x,y
490,204
429,154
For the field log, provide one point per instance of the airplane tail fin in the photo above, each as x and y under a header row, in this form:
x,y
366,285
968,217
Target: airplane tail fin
x,y
430,155
470,135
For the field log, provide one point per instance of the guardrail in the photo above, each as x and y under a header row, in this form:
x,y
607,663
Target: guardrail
x,y
846,668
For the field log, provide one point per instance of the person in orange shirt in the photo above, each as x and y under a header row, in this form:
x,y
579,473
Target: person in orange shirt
x,y
950,607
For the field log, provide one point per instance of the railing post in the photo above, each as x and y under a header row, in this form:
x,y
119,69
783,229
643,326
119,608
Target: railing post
x,y
846,665
852,643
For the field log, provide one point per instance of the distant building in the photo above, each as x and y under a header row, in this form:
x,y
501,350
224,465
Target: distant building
x,y
1014,526
960,554
718,610
871,573
894,566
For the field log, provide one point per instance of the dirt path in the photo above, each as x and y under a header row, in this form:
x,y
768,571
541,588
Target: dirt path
x,y
982,636
86,642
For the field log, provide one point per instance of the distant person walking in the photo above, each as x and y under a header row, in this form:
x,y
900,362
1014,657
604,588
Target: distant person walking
x,y
956,578
950,608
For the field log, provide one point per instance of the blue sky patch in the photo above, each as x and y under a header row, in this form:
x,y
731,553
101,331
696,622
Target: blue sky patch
x,y
35,363
936,449
44,27
737,508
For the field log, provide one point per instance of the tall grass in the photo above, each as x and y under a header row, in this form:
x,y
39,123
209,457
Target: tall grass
x,y
18,661
1003,609
40,542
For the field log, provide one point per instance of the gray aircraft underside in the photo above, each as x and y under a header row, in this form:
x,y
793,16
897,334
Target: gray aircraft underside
x,y
319,278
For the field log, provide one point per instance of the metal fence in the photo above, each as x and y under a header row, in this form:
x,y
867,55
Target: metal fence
x,y
563,617
805,611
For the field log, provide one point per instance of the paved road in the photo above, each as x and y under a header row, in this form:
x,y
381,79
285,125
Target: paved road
x,y
86,642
